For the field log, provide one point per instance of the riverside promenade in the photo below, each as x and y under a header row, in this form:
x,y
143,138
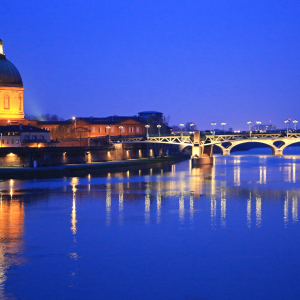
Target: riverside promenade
x,y
86,168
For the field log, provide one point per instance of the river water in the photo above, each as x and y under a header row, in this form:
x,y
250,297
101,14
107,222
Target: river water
x,y
230,231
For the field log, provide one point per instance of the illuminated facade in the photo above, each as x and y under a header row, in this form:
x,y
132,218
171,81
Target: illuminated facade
x,y
11,90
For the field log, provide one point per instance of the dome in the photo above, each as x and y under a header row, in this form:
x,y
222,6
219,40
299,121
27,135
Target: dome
x,y
9,74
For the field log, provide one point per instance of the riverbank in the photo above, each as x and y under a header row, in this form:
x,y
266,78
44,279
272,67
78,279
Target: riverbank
x,y
87,168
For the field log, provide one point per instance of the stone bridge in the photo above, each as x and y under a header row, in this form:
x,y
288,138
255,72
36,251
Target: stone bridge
x,y
277,141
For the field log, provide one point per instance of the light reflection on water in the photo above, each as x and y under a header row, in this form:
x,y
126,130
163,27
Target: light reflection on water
x,y
237,194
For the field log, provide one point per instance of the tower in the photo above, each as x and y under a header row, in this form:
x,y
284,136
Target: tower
x,y
11,90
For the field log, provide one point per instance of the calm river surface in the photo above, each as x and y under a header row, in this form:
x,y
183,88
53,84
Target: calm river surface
x,y
230,231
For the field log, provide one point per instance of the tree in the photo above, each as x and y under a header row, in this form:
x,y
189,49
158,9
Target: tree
x,y
45,117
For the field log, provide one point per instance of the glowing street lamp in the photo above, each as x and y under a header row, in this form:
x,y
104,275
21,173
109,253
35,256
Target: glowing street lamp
x,y
287,126
192,125
74,119
147,127
249,123
258,123
181,126
213,124
108,129
223,124
295,122
120,127
158,127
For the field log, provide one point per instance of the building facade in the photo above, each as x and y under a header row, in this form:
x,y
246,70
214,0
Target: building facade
x,y
11,89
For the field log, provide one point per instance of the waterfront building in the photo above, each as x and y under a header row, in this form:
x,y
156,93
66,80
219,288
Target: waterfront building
x,y
24,136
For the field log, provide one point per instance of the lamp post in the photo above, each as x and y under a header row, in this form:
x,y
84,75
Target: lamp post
x,y
192,126
213,124
108,129
120,128
158,127
295,122
74,119
1,139
249,123
223,124
258,123
147,128
287,126
181,126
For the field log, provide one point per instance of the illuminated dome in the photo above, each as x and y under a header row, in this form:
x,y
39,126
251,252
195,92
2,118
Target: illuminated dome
x,y
9,74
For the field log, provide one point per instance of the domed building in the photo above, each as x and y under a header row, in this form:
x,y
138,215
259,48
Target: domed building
x,y
11,90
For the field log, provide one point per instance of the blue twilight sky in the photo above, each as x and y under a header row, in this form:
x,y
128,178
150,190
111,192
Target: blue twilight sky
x,y
201,61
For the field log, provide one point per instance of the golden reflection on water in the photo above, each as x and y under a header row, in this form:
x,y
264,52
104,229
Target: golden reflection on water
x,y
249,211
258,211
286,209
147,203
181,207
223,207
191,206
295,209
237,175
262,174
108,203
12,216
158,202
74,183
121,196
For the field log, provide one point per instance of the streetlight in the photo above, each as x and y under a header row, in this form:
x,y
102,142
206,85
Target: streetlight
x,y
258,123
213,124
74,119
249,123
108,128
147,127
120,127
223,124
295,122
181,126
158,127
287,126
192,125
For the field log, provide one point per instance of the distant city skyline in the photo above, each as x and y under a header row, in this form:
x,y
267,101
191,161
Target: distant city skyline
x,y
198,61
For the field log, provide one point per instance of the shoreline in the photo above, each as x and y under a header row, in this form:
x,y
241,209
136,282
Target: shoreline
x,y
81,169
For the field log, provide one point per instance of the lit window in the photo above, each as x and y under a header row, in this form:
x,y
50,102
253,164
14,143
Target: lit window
x,y
20,102
138,129
112,129
93,129
6,102
17,141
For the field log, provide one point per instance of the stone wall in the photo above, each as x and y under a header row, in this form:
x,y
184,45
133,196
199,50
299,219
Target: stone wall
x,y
50,156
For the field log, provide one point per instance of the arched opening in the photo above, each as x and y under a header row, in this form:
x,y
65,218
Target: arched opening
x,y
6,102
20,102
278,143
217,149
293,149
251,148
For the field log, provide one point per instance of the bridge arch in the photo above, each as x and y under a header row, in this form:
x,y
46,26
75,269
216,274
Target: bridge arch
x,y
286,145
227,151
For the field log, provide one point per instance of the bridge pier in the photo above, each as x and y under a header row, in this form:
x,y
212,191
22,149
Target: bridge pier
x,y
226,152
201,155
277,152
